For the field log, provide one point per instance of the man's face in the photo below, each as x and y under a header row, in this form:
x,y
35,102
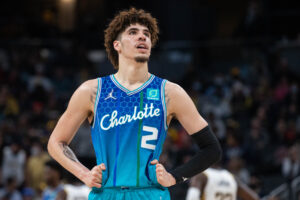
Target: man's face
x,y
51,175
134,43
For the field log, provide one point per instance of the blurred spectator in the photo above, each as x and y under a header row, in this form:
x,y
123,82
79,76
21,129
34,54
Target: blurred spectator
x,y
9,191
61,82
14,158
39,86
291,164
8,104
53,177
217,98
256,143
236,166
282,89
252,24
36,165
28,193
217,126
39,80
232,146
256,184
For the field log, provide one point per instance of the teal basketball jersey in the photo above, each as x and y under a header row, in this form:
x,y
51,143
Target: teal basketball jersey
x,y
128,131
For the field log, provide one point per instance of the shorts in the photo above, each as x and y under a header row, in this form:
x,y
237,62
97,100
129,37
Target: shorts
x,y
130,193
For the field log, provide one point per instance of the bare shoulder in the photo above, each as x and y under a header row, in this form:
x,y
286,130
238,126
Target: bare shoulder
x,y
174,94
173,88
86,93
180,106
89,85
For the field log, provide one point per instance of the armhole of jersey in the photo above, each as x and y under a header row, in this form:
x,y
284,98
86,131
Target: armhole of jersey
x,y
97,101
163,84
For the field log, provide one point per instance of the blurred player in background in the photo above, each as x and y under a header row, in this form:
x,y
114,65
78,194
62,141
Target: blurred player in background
x,y
217,183
129,113
75,189
53,177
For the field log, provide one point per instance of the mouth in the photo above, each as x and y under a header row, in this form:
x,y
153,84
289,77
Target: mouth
x,y
142,46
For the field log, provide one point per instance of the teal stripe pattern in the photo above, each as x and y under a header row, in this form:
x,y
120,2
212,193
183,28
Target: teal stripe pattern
x,y
139,142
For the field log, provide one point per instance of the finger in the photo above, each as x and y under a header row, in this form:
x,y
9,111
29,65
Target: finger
x,y
102,166
154,162
97,176
96,180
97,170
97,185
159,172
159,167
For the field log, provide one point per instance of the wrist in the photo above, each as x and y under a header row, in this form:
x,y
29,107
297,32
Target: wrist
x,y
175,177
83,174
173,180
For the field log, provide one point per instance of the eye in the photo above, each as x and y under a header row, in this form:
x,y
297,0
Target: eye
x,y
147,34
132,32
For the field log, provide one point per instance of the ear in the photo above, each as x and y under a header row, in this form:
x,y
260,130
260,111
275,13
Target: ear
x,y
117,45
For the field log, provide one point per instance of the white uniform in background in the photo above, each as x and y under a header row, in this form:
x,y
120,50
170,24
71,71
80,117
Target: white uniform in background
x,y
77,192
221,185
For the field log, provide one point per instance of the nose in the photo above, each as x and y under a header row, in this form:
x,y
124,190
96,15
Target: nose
x,y
142,37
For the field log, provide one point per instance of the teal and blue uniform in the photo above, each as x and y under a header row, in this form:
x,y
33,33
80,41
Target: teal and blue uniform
x,y
52,193
128,132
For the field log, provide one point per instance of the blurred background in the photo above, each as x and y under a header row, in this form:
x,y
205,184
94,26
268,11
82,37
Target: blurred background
x,y
238,60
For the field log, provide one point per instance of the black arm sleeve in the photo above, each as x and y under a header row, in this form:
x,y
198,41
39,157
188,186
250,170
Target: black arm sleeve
x,y
209,153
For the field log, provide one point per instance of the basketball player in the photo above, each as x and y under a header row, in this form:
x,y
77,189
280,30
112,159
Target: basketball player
x,y
75,189
129,113
216,184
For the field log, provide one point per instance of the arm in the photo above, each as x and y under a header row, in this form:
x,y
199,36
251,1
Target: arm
x,y
196,187
199,181
62,195
80,107
245,193
180,105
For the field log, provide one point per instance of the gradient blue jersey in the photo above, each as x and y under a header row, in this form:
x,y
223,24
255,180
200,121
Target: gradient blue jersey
x,y
128,131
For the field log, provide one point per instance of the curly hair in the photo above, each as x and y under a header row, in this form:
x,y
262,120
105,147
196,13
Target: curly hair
x,y
123,20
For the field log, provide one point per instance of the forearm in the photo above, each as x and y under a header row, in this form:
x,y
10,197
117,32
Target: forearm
x,y
62,153
246,193
209,153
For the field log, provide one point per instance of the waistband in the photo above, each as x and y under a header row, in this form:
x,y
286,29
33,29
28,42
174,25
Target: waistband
x,y
127,188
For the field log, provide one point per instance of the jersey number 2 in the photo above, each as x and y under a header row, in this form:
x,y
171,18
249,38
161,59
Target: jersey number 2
x,y
146,138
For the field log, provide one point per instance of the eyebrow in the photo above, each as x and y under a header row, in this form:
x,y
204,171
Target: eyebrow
x,y
136,29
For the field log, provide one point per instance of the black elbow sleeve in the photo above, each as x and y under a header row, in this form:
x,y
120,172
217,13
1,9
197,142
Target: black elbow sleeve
x,y
209,153
206,139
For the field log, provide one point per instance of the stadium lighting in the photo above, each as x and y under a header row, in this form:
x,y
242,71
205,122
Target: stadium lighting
x,y
67,1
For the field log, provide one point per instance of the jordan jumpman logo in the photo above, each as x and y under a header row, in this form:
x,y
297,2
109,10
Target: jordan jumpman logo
x,y
110,95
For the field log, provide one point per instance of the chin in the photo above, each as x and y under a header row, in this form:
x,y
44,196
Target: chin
x,y
141,59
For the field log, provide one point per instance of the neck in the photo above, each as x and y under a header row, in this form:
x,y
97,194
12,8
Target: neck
x,y
132,72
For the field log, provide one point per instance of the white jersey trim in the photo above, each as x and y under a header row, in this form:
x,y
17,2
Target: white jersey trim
x,y
163,84
97,100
